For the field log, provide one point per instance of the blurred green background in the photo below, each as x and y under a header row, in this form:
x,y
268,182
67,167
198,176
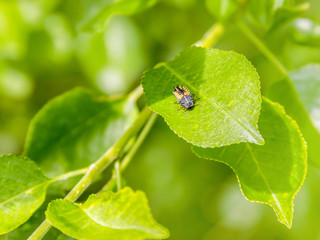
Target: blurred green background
x,y
41,56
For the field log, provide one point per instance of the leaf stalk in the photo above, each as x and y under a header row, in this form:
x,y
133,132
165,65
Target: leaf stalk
x,y
96,168
211,36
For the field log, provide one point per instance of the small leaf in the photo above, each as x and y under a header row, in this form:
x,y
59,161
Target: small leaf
x,y
75,129
285,14
285,93
22,191
261,12
123,215
94,14
222,9
229,91
268,14
272,173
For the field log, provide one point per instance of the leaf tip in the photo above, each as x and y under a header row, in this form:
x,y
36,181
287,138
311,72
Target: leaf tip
x,y
256,137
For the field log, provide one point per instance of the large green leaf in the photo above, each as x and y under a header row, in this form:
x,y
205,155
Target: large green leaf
x,y
285,93
22,191
272,173
229,90
92,15
76,128
123,215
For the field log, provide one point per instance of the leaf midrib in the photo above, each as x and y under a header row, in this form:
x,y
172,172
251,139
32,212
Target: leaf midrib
x,y
211,100
23,192
130,227
274,196
76,129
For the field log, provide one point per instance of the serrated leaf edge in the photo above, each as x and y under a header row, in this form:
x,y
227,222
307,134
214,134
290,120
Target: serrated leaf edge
x,y
27,190
288,223
190,141
145,199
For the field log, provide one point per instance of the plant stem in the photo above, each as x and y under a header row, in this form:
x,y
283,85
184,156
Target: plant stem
x,y
117,174
262,47
96,168
136,93
127,159
211,36
69,174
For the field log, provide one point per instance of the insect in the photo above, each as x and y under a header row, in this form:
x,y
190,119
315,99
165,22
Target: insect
x,y
184,98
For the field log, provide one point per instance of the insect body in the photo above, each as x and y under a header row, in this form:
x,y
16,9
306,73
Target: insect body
x,y
184,98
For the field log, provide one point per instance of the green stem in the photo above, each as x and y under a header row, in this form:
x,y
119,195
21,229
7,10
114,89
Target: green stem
x,y
118,175
127,159
96,168
211,36
136,93
69,174
262,47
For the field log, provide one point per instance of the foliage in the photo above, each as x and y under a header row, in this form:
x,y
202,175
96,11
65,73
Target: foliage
x,y
23,190
93,15
228,88
91,124
274,172
64,61
121,215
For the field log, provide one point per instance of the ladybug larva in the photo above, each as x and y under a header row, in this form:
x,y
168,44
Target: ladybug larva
x,y
184,98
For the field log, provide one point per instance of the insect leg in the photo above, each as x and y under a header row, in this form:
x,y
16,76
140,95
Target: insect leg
x,y
196,98
184,111
197,104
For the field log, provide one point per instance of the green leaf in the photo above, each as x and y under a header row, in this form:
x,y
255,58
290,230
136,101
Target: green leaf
x,y
123,215
75,129
261,12
272,13
285,93
22,191
94,14
272,173
222,9
285,14
229,90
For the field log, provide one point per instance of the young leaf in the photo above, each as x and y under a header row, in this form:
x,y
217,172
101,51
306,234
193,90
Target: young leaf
x,y
285,14
286,94
123,215
272,173
22,191
76,128
268,14
222,9
261,12
229,91
94,14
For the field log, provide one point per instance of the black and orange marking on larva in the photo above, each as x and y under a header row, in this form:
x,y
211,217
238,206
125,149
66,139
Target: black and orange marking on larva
x,y
184,98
